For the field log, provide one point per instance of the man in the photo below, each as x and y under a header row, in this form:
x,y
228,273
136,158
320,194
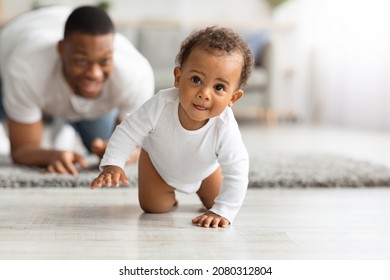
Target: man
x,y
85,74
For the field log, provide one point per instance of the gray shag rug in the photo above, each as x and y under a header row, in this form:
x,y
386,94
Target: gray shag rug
x,y
280,171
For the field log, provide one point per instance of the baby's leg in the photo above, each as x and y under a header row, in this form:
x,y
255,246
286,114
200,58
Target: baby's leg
x,y
155,196
210,187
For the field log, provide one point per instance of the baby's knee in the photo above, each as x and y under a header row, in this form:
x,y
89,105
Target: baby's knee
x,y
207,202
157,207
152,209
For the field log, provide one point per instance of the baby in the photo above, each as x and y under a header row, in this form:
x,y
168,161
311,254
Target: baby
x,y
190,141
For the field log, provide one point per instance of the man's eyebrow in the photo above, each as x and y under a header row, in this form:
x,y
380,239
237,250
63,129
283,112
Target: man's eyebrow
x,y
84,52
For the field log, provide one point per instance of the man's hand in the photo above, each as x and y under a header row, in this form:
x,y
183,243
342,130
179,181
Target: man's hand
x,y
63,162
110,175
210,219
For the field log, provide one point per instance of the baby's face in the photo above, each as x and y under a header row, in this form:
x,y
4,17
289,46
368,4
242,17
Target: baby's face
x,y
207,83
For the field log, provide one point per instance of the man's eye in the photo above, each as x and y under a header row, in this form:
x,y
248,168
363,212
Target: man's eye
x,y
105,62
196,80
219,87
82,62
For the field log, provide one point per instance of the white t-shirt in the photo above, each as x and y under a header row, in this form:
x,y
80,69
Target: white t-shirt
x,y
184,158
32,78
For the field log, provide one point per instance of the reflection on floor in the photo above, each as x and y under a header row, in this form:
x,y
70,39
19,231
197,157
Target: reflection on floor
x,y
306,224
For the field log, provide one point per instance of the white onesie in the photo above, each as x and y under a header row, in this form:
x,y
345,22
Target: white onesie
x,y
184,158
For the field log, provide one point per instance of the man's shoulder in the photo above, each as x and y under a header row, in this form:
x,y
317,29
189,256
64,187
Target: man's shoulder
x,y
128,57
35,61
42,19
31,38
124,47
130,66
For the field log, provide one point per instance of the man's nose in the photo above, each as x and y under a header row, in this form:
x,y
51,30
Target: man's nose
x,y
95,71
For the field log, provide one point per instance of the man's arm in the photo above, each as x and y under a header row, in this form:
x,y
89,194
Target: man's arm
x,y
25,140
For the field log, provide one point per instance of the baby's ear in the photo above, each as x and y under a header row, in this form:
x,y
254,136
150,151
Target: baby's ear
x,y
236,95
177,75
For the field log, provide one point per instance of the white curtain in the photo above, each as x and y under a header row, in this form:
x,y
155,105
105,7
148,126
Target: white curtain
x,y
348,42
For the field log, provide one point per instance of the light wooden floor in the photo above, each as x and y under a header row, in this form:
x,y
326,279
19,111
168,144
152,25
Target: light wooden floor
x,y
273,224
304,224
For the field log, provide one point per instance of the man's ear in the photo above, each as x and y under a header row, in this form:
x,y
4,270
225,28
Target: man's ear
x,y
177,74
236,95
60,47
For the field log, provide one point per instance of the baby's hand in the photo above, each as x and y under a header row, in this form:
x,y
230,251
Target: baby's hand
x,y
110,175
210,219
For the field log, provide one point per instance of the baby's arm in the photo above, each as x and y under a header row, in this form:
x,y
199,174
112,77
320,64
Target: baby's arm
x,y
110,174
210,219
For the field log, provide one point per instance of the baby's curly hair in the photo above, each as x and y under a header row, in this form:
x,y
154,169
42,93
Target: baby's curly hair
x,y
216,38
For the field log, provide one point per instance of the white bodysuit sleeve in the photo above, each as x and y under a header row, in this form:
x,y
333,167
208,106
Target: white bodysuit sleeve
x,y
234,161
131,132
233,190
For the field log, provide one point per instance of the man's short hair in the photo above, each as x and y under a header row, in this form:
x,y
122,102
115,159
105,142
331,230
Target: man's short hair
x,y
89,20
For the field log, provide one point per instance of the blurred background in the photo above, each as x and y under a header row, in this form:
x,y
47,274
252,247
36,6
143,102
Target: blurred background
x,y
317,61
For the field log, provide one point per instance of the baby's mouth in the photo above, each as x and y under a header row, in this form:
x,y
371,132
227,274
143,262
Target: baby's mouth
x,y
200,108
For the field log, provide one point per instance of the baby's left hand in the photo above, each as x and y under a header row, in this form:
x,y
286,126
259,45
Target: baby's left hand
x,y
210,219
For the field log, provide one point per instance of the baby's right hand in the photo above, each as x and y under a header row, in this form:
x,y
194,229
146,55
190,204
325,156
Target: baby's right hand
x,y
110,175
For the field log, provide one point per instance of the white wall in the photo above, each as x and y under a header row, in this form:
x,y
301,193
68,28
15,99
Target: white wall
x,y
354,63
244,11
342,61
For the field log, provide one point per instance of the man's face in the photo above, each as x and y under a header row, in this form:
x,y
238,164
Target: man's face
x,y
87,62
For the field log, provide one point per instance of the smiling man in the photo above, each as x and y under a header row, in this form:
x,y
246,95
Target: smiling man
x,y
72,66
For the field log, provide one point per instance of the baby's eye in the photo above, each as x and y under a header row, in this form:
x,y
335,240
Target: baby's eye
x,y
219,87
196,80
